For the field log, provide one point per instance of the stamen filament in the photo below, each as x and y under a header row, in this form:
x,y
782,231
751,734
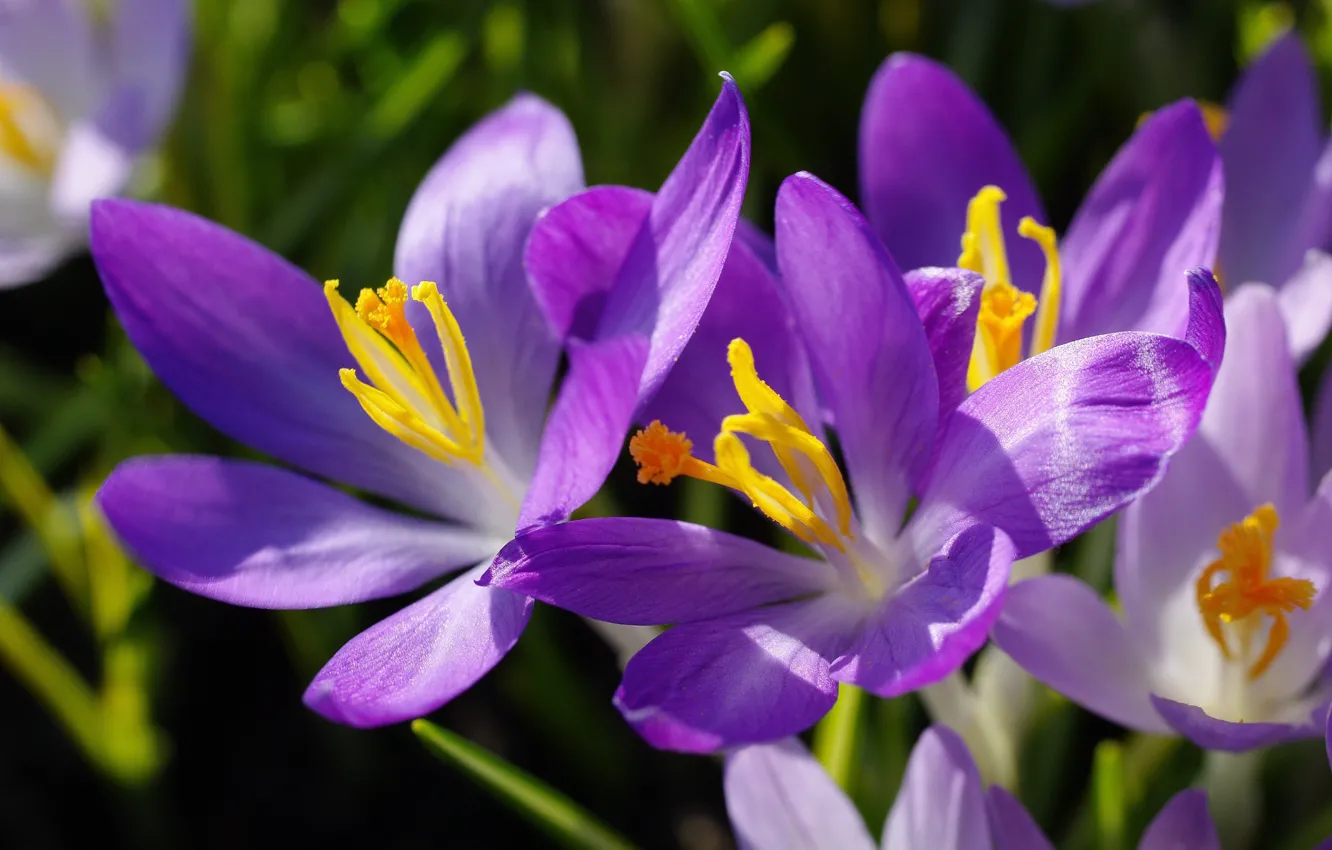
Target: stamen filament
x,y
1047,317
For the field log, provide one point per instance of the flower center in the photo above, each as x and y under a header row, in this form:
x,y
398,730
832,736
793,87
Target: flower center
x,y
1005,308
662,455
1247,593
404,396
29,129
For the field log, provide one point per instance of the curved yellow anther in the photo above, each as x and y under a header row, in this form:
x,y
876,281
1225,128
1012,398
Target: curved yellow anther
x,y
1047,317
1248,591
662,455
404,395
984,252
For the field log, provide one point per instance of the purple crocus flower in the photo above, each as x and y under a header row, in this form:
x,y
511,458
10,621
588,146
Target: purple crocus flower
x,y
762,638
436,401
780,798
1277,224
79,103
1221,573
935,166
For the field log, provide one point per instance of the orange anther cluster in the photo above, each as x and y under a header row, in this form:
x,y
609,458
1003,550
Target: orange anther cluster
x,y
661,454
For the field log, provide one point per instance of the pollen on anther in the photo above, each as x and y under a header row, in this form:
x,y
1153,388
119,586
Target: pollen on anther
x,y
661,454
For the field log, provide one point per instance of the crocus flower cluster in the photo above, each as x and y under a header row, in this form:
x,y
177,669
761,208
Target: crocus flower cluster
x,y
780,798
79,103
431,395
1030,459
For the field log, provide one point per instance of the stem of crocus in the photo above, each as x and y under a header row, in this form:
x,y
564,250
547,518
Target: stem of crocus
x,y
1234,794
837,737
1109,795
55,526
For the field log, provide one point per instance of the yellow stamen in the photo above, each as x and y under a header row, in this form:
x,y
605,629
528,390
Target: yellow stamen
x,y
662,455
404,396
1004,308
25,119
1248,592
1047,318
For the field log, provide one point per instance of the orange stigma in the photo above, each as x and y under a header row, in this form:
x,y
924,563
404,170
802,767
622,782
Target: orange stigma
x,y
1248,591
385,311
661,454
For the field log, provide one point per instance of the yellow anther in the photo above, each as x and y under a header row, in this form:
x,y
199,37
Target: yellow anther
x,y
998,346
27,128
404,396
662,455
1004,307
1047,318
986,253
1247,591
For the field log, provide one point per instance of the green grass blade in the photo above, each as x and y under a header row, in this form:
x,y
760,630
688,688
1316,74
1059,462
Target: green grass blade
x,y
547,809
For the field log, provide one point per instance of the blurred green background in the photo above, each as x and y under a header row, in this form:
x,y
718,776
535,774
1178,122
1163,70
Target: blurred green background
x,y
134,715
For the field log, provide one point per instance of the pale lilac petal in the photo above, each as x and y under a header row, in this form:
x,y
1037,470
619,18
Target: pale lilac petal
x,y
1182,824
779,798
1270,147
1154,213
1062,633
576,250
752,677
941,804
25,259
748,303
1011,826
465,229
150,49
652,571
927,146
932,625
586,428
48,44
421,657
677,256
1212,734
256,535
247,341
871,360
948,302
91,165
1250,448
1306,304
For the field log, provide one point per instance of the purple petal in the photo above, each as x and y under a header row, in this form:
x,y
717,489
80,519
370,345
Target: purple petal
x,y
676,258
779,798
256,535
247,341
1320,449
927,146
1062,440
941,804
1327,736
1250,448
933,624
652,571
421,657
871,361
1154,213
1062,633
1270,148
1011,826
586,428
1212,734
1183,824
576,250
948,302
48,44
1306,304
748,303
465,230
752,677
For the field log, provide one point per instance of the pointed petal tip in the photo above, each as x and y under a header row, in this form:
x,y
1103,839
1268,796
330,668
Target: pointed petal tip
x,y
1206,329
